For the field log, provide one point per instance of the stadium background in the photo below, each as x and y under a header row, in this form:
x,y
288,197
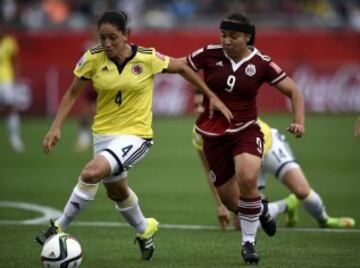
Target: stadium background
x,y
317,42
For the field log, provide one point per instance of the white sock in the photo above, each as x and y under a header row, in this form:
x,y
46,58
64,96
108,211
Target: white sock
x,y
13,125
79,199
315,206
131,211
276,208
249,211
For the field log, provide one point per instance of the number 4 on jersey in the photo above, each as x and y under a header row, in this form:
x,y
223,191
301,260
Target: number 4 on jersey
x,y
126,149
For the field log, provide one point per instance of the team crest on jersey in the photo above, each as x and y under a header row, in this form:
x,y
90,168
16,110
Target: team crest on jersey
x,y
137,69
81,62
250,70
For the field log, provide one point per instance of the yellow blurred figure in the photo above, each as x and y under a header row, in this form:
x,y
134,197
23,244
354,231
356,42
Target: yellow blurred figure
x,y
9,72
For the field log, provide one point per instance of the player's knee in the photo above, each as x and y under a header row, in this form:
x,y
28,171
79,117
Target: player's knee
x,y
247,179
90,175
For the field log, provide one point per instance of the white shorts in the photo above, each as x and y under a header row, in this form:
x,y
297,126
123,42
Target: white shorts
x,y
17,95
121,151
6,94
278,160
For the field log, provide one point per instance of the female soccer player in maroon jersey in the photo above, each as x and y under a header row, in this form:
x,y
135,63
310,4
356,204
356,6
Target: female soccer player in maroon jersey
x,y
235,70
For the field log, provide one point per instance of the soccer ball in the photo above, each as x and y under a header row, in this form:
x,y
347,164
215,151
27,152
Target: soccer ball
x,y
61,251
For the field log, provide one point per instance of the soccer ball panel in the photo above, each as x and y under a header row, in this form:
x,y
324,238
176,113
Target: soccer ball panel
x,y
61,251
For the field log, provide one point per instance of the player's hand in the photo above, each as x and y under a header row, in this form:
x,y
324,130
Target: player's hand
x,y
224,217
296,129
217,104
50,140
357,128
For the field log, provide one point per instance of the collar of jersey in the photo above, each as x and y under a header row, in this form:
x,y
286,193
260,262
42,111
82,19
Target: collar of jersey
x,y
121,66
235,65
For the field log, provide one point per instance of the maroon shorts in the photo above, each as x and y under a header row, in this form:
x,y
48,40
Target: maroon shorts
x,y
220,151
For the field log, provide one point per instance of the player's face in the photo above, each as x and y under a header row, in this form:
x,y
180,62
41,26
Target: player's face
x,y
234,43
112,39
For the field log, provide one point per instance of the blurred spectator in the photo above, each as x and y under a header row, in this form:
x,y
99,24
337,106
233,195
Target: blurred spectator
x,y
73,14
57,11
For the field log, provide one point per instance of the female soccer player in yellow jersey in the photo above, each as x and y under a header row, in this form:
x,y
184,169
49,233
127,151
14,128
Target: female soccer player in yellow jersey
x,y
9,72
123,76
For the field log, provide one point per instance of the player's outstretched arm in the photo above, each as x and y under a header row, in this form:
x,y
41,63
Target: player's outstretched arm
x,y
67,102
178,66
289,88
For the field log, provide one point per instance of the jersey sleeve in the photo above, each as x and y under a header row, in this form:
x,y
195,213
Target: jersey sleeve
x,y
273,73
196,59
159,61
84,67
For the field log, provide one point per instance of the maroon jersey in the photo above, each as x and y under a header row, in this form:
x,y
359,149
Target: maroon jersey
x,y
236,84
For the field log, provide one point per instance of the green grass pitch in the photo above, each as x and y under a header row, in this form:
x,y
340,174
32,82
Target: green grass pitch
x,y
172,188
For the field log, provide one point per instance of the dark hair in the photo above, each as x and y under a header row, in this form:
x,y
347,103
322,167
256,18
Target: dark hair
x,y
118,19
242,19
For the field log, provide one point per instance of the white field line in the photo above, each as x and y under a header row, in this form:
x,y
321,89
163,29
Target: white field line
x,y
107,224
49,213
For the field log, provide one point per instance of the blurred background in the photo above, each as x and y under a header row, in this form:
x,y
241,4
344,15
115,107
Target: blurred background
x,y
75,15
317,42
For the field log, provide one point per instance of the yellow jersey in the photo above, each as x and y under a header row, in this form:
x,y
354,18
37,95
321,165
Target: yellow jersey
x,y
265,129
124,100
8,49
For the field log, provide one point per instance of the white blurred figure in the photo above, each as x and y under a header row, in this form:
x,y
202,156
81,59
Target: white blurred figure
x,y
9,72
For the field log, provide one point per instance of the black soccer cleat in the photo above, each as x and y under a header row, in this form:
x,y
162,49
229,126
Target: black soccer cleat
x,y
267,223
147,248
146,240
249,253
51,230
